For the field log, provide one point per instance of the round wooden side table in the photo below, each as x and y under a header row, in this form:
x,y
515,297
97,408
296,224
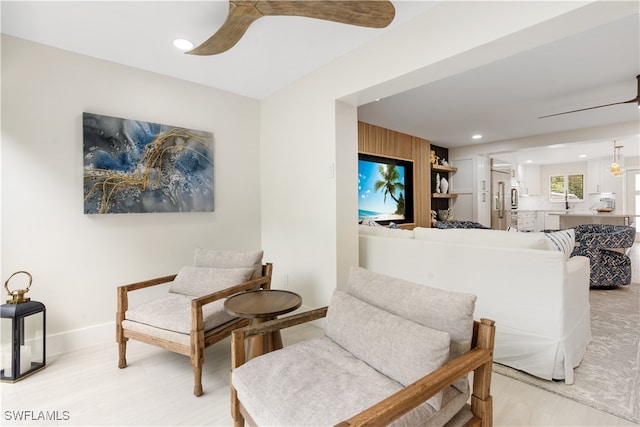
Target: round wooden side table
x,y
260,306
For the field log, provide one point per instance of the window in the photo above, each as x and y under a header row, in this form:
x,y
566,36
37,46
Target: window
x,y
566,188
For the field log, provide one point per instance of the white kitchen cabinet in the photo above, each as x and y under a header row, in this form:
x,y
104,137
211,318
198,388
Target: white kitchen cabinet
x,y
463,207
592,180
463,180
483,173
482,211
521,177
533,180
512,219
514,173
526,220
482,206
472,184
551,222
529,180
539,221
600,180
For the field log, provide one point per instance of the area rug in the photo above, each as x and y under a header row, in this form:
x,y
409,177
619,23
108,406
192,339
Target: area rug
x,y
608,377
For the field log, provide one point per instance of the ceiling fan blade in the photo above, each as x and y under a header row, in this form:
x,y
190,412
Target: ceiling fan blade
x,y
592,108
240,17
242,13
636,100
371,13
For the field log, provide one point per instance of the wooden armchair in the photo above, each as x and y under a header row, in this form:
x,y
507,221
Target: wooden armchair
x,y
191,317
398,373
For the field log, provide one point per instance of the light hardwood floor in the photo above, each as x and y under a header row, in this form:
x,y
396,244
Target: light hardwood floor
x,y
86,388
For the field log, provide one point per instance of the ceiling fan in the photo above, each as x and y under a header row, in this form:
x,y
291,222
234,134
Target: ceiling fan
x,y
370,13
636,100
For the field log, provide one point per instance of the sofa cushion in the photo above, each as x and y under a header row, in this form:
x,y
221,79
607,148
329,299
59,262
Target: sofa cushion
x,y
385,232
200,281
399,348
447,311
173,313
563,241
229,259
317,382
478,237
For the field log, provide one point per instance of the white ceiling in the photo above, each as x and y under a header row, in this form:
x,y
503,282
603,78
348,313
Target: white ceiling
x,y
501,100
274,52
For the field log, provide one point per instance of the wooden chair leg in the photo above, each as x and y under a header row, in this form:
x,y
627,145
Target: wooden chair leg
x,y
481,400
238,419
122,303
197,347
122,353
197,360
197,380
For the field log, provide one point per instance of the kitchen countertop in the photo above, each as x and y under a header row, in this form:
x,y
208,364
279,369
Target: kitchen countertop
x,y
613,214
538,210
561,212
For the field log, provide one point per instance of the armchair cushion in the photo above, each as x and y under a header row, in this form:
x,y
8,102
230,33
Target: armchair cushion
x,y
201,281
317,382
229,259
399,348
173,313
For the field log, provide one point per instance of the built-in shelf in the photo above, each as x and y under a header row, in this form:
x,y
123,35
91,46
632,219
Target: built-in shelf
x,y
438,173
442,168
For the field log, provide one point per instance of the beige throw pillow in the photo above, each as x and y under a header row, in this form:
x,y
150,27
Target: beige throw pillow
x,y
229,259
399,348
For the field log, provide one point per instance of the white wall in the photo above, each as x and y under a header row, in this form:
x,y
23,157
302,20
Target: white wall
x,y
303,134
77,260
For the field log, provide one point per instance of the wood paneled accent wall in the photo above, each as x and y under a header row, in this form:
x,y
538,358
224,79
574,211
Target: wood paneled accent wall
x,y
385,142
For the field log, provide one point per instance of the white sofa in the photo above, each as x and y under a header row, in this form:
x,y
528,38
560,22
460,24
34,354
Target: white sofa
x,y
538,296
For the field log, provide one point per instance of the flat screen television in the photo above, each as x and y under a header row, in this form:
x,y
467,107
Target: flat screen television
x,y
385,189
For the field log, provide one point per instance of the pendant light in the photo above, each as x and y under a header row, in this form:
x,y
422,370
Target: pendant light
x,y
617,164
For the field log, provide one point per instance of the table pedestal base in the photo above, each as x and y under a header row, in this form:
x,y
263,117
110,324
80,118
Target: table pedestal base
x,y
263,343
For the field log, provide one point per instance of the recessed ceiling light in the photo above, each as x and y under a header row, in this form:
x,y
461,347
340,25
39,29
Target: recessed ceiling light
x,y
582,155
476,136
556,146
528,161
183,44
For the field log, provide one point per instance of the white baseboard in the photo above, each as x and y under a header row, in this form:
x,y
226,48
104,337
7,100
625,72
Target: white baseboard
x,y
77,339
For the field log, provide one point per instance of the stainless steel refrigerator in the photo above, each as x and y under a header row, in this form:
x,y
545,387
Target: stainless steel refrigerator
x,y
500,194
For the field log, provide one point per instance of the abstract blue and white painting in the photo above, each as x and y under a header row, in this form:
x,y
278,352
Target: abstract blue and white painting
x,y
131,166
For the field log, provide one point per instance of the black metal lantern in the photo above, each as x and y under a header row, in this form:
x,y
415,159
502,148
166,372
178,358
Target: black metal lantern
x,y
23,334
